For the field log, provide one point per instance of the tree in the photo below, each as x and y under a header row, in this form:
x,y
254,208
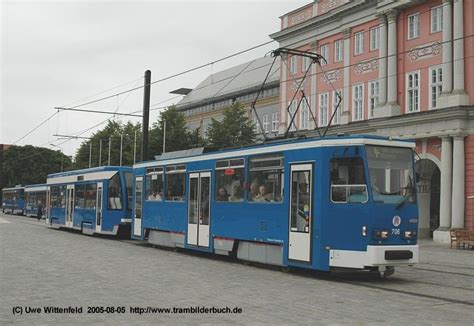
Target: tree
x,y
235,129
178,137
112,132
30,165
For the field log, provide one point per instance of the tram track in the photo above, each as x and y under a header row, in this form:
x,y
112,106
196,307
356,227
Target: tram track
x,y
409,277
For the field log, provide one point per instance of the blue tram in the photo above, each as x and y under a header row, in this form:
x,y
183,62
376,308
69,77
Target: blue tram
x,y
13,200
325,204
96,200
34,196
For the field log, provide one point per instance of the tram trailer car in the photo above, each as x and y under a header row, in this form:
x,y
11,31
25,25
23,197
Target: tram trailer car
x,y
34,195
323,204
94,201
13,200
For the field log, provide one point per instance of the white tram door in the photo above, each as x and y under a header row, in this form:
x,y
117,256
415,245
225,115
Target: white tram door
x,y
300,212
137,221
199,209
69,206
98,209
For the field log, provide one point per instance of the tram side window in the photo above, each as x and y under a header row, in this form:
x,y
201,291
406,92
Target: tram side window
x,y
91,195
175,182
80,196
348,182
154,184
114,195
266,175
129,186
230,180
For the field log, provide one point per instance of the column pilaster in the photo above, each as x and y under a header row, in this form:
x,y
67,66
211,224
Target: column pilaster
x,y
442,233
458,183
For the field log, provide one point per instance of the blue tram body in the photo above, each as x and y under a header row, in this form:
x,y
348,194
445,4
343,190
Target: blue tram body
x,y
34,195
13,200
323,204
95,200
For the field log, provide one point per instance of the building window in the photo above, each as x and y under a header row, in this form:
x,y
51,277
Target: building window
x,y
324,51
413,26
291,113
335,101
373,97
436,85
266,123
293,65
436,19
413,91
323,109
358,101
374,38
338,50
304,116
305,64
359,43
275,121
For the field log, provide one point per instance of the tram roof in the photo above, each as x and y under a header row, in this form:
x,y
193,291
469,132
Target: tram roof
x,y
89,170
13,188
284,145
36,187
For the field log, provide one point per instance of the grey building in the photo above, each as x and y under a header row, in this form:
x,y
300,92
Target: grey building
x,y
240,83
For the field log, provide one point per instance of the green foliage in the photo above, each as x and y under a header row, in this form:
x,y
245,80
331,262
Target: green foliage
x,y
30,165
112,132
178,137
233,131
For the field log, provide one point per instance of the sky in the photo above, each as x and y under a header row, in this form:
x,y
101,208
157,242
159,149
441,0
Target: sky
x,y
66,53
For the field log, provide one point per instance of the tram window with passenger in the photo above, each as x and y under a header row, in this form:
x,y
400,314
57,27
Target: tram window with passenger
x,y
154,184
114,201
348,182
175,182
266,175
230,180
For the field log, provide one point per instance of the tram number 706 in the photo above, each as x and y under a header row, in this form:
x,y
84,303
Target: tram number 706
x,y
395,231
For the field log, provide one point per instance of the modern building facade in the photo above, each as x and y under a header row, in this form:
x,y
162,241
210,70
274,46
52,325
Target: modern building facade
x,y
240,83
403,69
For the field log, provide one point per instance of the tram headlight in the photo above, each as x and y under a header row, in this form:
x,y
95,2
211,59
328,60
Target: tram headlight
x,y
381,234
409,234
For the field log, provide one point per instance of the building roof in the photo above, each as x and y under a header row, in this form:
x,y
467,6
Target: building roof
x,y
237,79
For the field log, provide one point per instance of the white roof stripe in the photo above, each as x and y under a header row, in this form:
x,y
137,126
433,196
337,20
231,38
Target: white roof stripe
x,y
282,147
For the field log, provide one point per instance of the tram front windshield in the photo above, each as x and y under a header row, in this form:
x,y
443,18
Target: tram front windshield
x,y
391,174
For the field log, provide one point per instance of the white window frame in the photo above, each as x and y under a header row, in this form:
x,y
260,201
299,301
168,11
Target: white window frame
x,y
359,43
373,96
275,121
338,50
256,127
438,10
266,123
337,116
324,51
356,100
413,20
438,85
374,38
415,89
323,109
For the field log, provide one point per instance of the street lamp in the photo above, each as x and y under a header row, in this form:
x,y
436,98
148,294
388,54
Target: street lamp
x,y
62,155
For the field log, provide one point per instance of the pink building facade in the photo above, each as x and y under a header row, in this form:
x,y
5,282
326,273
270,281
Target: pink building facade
x,y
404,69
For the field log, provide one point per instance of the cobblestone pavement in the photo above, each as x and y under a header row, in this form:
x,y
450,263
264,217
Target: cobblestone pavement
x,y
42,267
